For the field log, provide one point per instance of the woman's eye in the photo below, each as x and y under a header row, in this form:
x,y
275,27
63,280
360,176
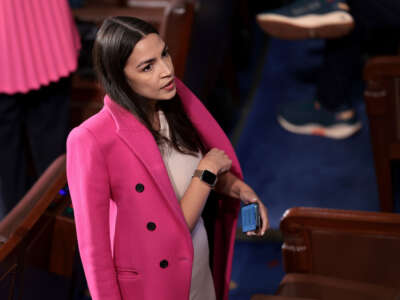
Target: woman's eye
x,y
147,68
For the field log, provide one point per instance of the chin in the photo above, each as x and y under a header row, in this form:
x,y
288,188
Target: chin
x,y
169,95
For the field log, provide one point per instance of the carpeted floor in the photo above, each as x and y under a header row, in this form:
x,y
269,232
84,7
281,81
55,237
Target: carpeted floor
x,y
257,268
288,170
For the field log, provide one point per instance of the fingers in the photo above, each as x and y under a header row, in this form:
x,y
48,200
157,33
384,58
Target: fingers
x,y
250,233
226,162
264,227
264,221
217,161
248,197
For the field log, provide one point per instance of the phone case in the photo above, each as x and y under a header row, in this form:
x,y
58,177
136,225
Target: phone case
x,y
250,217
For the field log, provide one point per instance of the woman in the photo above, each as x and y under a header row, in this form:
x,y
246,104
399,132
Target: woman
x,y
140,172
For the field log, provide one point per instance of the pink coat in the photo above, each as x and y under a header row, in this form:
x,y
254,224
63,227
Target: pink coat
x,y
39,43
133,239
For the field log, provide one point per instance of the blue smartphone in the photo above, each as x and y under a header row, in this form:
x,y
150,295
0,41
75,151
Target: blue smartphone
x,y
250,217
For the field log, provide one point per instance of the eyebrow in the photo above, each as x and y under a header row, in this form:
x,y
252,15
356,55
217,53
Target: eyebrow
x,y
151,59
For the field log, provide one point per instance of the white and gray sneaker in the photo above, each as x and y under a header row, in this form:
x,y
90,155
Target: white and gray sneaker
x,y
310,118
304,19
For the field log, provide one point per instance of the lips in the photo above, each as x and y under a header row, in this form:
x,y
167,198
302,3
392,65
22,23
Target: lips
x,y
169,83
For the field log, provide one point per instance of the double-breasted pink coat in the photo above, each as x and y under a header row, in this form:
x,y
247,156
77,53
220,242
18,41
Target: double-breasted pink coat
x,y
133,239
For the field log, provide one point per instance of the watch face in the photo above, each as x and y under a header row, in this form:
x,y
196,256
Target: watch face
x,y
208,177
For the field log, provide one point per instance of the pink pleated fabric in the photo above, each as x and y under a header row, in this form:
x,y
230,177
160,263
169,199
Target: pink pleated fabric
x,y
39,43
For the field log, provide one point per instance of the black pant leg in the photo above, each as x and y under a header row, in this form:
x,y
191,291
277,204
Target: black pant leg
x,y
377,24
47,122
13,182
342,64
375,14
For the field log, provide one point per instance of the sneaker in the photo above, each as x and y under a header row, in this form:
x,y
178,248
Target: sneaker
x,y
305,19
309,117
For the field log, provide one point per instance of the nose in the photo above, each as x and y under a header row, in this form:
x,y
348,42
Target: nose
x,y
166,68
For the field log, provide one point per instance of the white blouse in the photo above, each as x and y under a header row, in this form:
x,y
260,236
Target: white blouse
x,y
180,169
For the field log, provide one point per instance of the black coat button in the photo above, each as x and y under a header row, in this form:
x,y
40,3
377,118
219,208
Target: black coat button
x,y
151,226
139,188
164,263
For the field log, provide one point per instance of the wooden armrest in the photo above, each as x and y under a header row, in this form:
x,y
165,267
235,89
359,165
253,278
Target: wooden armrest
x,y
382,66
16,225
354,245
382,223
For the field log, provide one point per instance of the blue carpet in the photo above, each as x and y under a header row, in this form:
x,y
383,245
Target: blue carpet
x,y
257,268
289,170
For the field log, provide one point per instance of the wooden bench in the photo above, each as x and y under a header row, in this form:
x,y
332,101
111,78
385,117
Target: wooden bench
x,y
382,98
36,234
337,254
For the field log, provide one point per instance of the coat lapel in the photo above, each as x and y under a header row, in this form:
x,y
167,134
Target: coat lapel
x,y
141,142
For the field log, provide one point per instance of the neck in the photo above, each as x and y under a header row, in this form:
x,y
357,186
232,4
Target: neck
x,y
155,120
153,105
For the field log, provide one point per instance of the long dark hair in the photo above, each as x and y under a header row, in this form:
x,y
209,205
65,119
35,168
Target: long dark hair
x,y
114,43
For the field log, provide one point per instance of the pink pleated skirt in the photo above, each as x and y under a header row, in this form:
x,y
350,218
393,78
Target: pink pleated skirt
x,y
39,44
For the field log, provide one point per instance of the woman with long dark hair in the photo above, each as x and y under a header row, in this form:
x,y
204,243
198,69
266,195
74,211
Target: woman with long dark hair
x,y
140,172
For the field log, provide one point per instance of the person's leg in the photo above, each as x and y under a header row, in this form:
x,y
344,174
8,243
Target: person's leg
x,y
343,58
342,64
12,158
331,113
372,14
47,122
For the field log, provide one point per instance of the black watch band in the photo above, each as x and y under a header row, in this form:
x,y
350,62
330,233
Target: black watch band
x,y
206,176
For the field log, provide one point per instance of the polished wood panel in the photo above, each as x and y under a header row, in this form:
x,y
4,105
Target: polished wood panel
x,y
339,254
299,226
63,246
382,98
32,232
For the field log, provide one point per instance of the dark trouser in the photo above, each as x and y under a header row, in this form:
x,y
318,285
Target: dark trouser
x,y
377,31
33,128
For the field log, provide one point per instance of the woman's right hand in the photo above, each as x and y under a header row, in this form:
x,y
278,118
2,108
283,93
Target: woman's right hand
x,y
215,161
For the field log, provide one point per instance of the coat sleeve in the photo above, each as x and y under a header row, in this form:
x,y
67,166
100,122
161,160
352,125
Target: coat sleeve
x,y
208,128
89,187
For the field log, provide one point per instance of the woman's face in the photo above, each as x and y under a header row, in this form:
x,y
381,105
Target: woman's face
x,y
149,69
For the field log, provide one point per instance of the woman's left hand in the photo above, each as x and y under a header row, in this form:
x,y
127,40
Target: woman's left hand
x,y
249,196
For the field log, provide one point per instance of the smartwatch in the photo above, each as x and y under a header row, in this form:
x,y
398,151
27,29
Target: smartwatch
x,y
206,176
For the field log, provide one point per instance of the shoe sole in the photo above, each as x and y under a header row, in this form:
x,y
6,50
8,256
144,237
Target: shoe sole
x,y
330,25
341,131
